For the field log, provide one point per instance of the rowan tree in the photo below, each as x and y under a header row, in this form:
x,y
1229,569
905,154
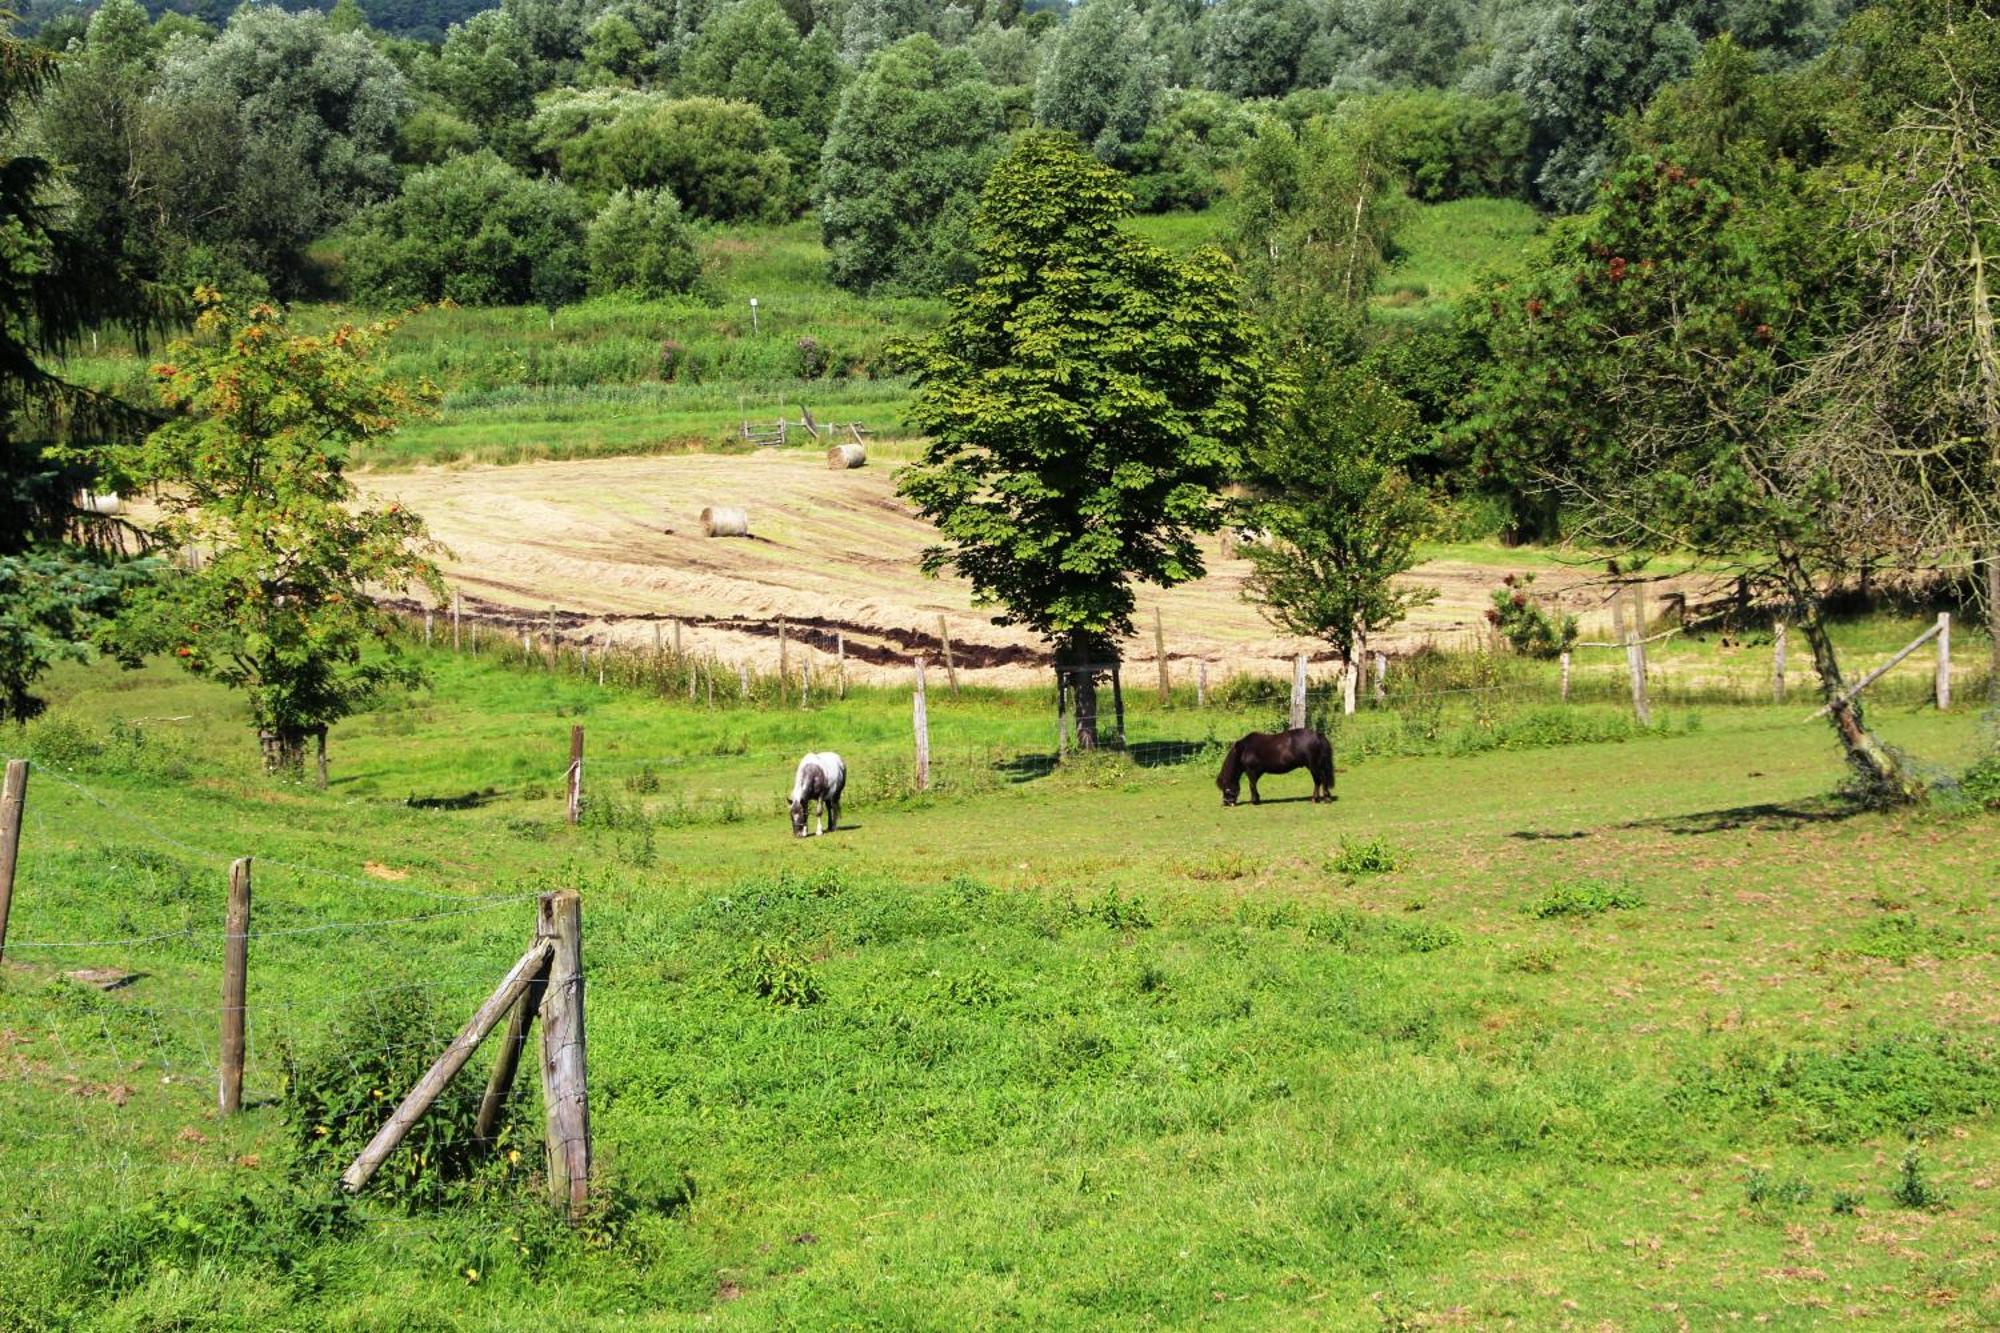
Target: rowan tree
x,y
252,477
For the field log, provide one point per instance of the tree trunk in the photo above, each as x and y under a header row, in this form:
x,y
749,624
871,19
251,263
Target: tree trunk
x,y
1992,563
284,750
1879,769
1075,659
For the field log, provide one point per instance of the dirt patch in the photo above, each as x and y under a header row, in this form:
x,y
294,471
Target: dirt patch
x,y
616,546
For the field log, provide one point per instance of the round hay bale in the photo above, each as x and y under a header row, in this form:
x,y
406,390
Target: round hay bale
x,y
722,521
844,456
106,503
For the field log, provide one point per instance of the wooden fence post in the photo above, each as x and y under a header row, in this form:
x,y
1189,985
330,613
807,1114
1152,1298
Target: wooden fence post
x,y
1201,684
527,652
427,627
1565,675
743,680
1381,678
457,608
13,799
677,639
534,965
1635,659
784,665
1944,660
1778,662
235,984
840,660
950,665
575,773
507,1060
805,683
920,724
1160,653
1350,673
552,638
1062,713
1298,718
565,1082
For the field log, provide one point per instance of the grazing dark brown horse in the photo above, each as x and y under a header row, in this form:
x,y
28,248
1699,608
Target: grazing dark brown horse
x,y
1264,752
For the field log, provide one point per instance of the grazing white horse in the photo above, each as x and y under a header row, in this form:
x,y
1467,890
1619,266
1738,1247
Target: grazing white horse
x,y
821,777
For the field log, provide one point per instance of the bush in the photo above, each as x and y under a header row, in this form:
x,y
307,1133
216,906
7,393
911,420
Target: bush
x,y
1370,856
474,231
781,975
716,157
1981,782
340,1090
1585,898
640,245
1523,623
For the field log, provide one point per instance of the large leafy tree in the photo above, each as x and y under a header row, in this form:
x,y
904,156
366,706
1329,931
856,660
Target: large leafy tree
x,y
1640,375
915,136
752,52
252,473
1101,81
55,284
1085,400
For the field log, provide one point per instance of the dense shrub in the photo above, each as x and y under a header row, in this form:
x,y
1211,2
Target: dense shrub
x,y
717,157
474,231
1522,621
640,244
1452,145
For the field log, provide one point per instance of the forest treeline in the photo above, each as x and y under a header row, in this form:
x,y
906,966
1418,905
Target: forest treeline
x,y
393,152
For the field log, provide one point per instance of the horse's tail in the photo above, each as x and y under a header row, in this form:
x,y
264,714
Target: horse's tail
x,y
1232,766
1322,758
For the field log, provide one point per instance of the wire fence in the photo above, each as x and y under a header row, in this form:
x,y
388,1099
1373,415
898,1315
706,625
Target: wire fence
x,y
112,1039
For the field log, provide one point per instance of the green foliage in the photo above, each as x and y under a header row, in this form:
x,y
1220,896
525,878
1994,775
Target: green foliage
x,y
782,975
751,51
915,136
718,158
1085,399
1450,145
473,231
1181,160
1365,856
1337,519
340,1089
252,469
1584,898
1913,1187
1899,1083
1901,937
1761,1189
1981,782
1100,82
50,601
1528,627
639,245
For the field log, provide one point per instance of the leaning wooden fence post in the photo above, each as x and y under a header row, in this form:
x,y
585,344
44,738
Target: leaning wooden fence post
x,y
13,799
507,1061
235,984
1160,655
950,664
565,1084
1778,662
1298,718
920,724
534,965
575,773
1944,659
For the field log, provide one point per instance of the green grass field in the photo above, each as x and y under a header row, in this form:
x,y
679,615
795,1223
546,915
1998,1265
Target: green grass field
x,y
1526,1030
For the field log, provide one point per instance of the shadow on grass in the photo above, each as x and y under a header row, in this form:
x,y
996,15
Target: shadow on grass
x,y
1768,817
471,800
1145,754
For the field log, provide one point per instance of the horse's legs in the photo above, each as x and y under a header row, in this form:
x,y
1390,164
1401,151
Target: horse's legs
x,y
832,815
1253,790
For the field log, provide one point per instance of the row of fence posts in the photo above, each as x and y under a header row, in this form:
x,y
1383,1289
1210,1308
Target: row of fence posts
x,y
547,983
1628,627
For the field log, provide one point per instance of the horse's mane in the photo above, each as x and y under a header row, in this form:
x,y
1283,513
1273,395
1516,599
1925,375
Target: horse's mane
x,y
1232,766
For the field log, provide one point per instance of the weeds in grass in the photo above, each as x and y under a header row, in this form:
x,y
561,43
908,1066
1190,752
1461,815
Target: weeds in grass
x,y
1532,961
1845,1203
1900,937
1761,1189
1914,1187
1365,856
781,974
1584,898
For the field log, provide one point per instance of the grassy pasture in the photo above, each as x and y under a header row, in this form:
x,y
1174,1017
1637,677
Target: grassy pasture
x,y
1595,1035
